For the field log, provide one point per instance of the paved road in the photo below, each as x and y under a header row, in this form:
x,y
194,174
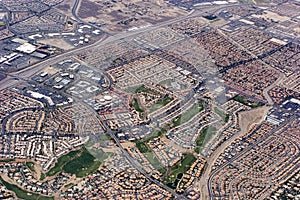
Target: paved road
x,y
74,11
25,74
29,71
138,167
209,183
212,159
266,90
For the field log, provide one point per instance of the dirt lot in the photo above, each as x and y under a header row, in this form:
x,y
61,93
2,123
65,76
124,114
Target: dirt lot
x,y
248,118
60,43
271,16
66,7
88,9
122,15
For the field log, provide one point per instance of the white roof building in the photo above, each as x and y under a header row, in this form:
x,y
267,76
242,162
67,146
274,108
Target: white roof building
x,y
26,48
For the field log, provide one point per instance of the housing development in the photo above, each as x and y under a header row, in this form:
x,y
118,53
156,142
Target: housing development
x,y
177,99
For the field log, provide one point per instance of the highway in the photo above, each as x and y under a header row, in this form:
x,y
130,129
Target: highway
x,y
29,71
25,74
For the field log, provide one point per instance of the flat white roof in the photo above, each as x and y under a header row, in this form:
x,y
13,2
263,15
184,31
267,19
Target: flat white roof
x,y
246,21
295,101
19,40
35,36
220,2
26,48
278,41
39,96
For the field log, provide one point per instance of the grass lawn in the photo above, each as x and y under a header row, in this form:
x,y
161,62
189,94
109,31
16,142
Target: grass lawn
x,y
30,165
178,169
155,134
79,162
100,154
82,165
161,103
165,101
136,105
105,137
88,169
151,157
22,194
6,160
214,20
43,176
142,146
188,115
247,102
144,89
69,185
166,82
139,90
223,115
205,135
61,162
102,137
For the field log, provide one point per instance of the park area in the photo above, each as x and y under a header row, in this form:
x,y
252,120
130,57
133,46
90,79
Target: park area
x,y
204,136
78,162
22,194
177,171
189,114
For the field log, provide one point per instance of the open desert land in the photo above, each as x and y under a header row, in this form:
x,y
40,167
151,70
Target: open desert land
x,y
120,16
